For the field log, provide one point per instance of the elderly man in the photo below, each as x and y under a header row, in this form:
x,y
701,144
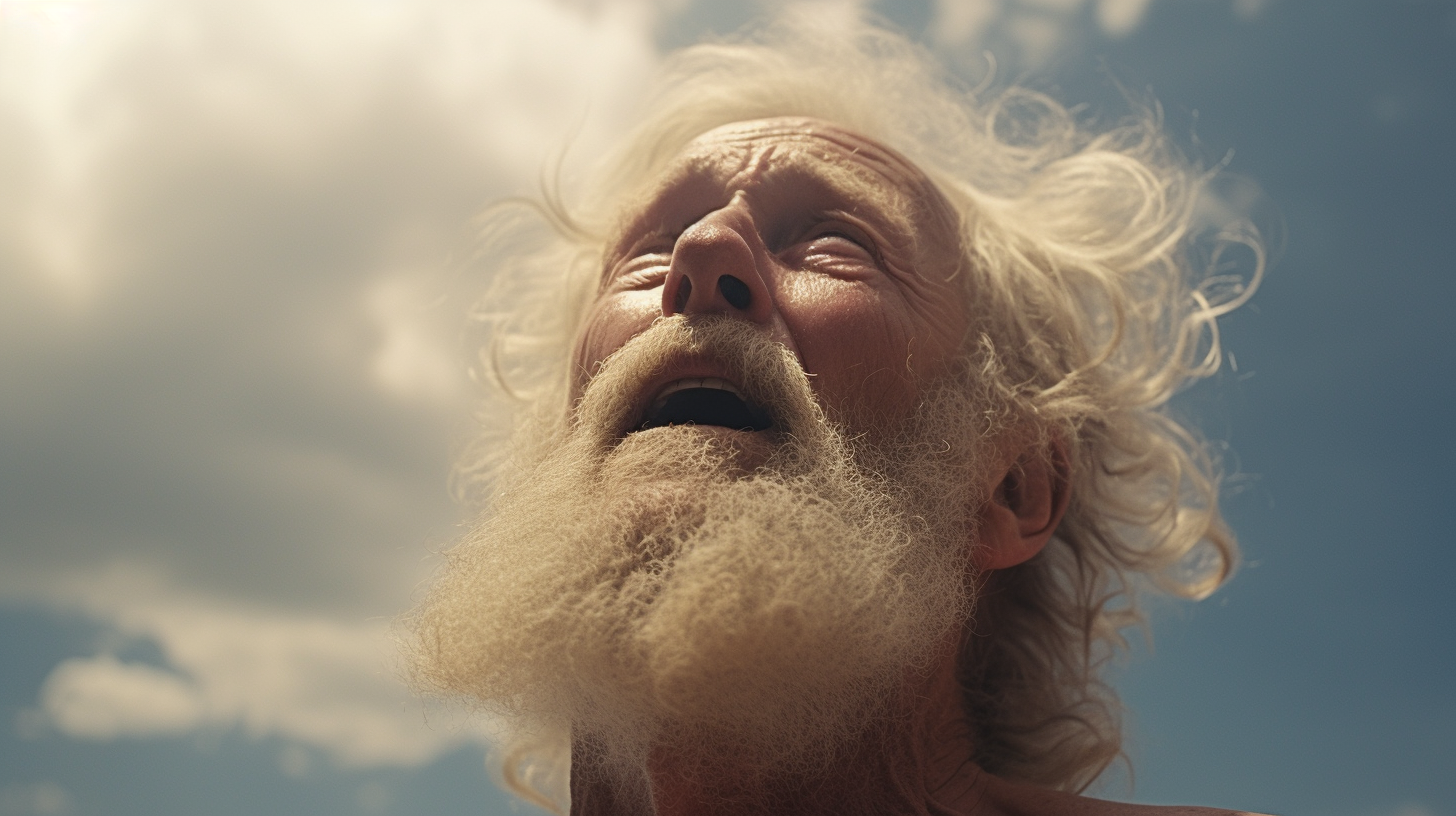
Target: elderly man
x,y
847,450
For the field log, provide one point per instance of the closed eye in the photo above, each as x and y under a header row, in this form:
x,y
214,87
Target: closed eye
x,y
645,265
643,272
835,241
834,247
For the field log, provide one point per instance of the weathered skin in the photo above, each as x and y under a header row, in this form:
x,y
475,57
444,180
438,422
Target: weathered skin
x,y
827,229
849,257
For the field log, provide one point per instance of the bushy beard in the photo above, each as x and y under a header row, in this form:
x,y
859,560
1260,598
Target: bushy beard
x,y
659,593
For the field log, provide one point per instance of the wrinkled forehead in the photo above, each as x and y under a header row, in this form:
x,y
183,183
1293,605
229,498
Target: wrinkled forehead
x,y
796,161
791,140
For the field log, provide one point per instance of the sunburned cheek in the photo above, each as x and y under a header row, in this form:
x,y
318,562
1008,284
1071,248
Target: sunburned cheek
x,y
858,346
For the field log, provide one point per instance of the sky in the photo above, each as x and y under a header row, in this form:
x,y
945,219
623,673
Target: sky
x,y
235,246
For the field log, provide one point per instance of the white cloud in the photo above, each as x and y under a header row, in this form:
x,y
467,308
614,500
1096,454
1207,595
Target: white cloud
x,y
958,23
101,698
1230,199
48,50
1038,37
311,681
1121,17
413,359
1030,33
1250,9
219,224
1024,34
1059,6
228,343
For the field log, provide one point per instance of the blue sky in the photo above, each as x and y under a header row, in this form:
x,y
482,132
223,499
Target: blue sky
x,y
230,350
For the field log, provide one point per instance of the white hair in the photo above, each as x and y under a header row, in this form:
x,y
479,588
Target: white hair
x,y
1092,304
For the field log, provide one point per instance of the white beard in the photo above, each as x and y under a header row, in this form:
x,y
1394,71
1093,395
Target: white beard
x,y
648,594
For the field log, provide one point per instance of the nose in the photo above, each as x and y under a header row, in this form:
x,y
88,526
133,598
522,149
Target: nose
x,y
715,269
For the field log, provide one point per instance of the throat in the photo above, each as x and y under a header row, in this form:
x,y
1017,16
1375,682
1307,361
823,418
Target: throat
x,y
917,759
887,773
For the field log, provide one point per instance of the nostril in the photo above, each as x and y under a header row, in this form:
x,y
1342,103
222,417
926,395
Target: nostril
x,y
735,292
684,289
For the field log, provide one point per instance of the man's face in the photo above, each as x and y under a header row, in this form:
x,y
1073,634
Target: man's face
x,y
657,583
830,243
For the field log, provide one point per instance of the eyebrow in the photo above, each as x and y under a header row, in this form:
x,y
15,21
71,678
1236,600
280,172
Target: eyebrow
x,y
638,211
858,190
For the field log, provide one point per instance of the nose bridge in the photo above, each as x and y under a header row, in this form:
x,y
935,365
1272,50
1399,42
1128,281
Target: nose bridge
x,y
716,267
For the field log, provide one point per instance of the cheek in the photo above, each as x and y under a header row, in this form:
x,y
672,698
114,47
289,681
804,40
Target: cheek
x,y
610,323
859,343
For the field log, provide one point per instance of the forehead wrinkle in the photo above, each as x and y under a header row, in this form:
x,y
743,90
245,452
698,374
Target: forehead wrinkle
x,y
832,179
868,179
886,161
756,163
862,170
849,186
637,214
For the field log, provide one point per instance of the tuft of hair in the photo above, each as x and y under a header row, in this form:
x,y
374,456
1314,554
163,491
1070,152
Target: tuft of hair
x,y
1094,289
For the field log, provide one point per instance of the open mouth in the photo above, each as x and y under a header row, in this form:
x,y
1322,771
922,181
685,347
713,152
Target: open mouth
x,y
705,401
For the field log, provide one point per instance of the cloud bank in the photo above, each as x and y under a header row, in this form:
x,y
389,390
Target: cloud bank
x,y
233,265
226,234
229,304
307,680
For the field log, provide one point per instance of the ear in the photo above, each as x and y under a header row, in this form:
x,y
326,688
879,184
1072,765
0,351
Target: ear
x,y
1025,507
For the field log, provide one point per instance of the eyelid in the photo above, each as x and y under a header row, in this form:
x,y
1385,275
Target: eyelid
x,y
840,225
654,243
628,265
658,241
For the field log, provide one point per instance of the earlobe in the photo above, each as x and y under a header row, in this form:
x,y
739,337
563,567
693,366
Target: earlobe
x,y
1024,508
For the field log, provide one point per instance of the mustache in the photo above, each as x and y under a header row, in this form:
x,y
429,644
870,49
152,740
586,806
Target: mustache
x,y
639,590
765,374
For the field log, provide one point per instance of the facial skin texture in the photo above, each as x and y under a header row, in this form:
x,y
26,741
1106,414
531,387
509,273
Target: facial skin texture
x,y
847,253
735,622
848,257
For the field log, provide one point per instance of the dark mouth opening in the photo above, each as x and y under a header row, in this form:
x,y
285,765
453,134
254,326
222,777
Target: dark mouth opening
x,y
708,406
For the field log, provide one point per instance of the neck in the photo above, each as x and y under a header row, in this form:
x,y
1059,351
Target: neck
x,y
918,763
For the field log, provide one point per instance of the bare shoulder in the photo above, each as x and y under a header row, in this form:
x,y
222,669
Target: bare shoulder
x,y
1015,799
1172,810
1106,808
